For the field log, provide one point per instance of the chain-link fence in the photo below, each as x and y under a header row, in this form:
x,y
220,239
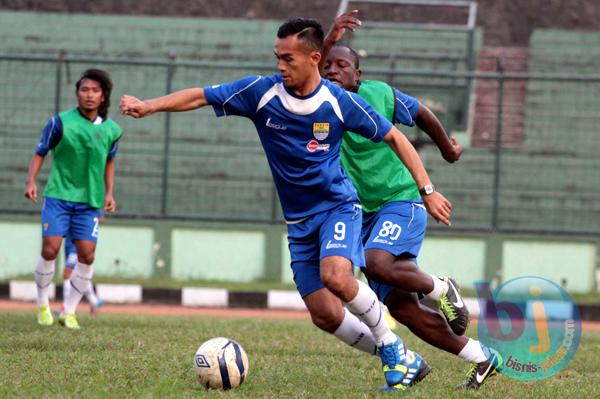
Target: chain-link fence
x,y
543,176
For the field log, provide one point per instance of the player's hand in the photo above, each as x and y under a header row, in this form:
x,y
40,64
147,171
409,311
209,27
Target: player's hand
x,y
134,107
344,22
31,191
439,207
110,205
455,153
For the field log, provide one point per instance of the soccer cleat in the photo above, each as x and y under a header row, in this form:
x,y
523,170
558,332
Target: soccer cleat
x,y
69,320
418,369
454,308
44,317
479,372
94,308
393,357
391,322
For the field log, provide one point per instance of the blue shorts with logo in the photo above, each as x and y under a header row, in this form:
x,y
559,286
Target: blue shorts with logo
x,y
335,232
398,228
75,219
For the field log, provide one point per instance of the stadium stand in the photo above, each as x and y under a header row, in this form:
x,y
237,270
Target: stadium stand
x,y
560,118
123,36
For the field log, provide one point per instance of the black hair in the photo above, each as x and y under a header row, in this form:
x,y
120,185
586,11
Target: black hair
x,y
309,30
103,78
354,55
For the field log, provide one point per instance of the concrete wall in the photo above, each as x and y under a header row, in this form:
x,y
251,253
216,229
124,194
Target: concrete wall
x,y
242,253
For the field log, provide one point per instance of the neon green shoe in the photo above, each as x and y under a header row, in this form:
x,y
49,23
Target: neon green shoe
x,y
391,322
45,316
69,320
453,308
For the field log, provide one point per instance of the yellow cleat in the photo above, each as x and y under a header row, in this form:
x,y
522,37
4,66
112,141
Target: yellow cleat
x,y
69,320
44,317
391,322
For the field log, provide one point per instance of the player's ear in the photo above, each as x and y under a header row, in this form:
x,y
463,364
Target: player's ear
x,y
315,56
357,75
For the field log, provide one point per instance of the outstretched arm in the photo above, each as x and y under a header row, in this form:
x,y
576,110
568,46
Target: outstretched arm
x,y
430,124
437,205
183,100
344,22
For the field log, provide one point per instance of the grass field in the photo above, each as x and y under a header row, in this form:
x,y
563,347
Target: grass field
x,y
118,356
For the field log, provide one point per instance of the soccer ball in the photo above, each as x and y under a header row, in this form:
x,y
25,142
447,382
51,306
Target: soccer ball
x,y
221,363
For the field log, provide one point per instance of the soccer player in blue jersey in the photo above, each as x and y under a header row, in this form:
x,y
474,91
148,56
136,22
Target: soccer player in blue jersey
x,y
83,141
394,223
300,119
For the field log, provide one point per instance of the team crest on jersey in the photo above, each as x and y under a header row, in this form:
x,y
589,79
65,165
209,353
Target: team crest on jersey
x,y
45,226
320,130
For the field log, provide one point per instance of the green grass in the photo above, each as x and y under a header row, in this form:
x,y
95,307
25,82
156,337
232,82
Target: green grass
x,y
116,356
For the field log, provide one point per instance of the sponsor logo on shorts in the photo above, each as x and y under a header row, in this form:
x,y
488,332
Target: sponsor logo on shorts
x,y
320,130
335,245
382,241
314,145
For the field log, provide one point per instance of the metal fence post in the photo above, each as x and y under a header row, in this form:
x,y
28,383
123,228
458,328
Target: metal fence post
x,y
274,199
165,177
498,148
58,82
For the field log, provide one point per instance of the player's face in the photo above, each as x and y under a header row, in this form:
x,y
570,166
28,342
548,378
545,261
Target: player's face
x,y
295,61
90,95
339,68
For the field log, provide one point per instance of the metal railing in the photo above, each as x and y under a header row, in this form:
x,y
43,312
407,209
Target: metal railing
x,y
197,167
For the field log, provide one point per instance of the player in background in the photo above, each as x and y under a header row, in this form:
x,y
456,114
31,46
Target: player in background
x,y
84,143
394,221
70,263
300,119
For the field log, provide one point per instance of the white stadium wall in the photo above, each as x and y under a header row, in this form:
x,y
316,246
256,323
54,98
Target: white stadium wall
x,y
243,253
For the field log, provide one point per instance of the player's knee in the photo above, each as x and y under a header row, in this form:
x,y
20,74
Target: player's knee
x,y
378,263
336,280
380,267
88,259
49,252
326,321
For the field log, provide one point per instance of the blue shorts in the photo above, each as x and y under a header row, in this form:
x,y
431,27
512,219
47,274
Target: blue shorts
x,y
333,232
398,228
78,220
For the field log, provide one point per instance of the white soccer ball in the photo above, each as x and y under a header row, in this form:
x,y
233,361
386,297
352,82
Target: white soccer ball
x,y
221,363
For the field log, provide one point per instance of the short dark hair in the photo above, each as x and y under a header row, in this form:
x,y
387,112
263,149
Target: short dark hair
x,y
354,55
103,78
309,30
